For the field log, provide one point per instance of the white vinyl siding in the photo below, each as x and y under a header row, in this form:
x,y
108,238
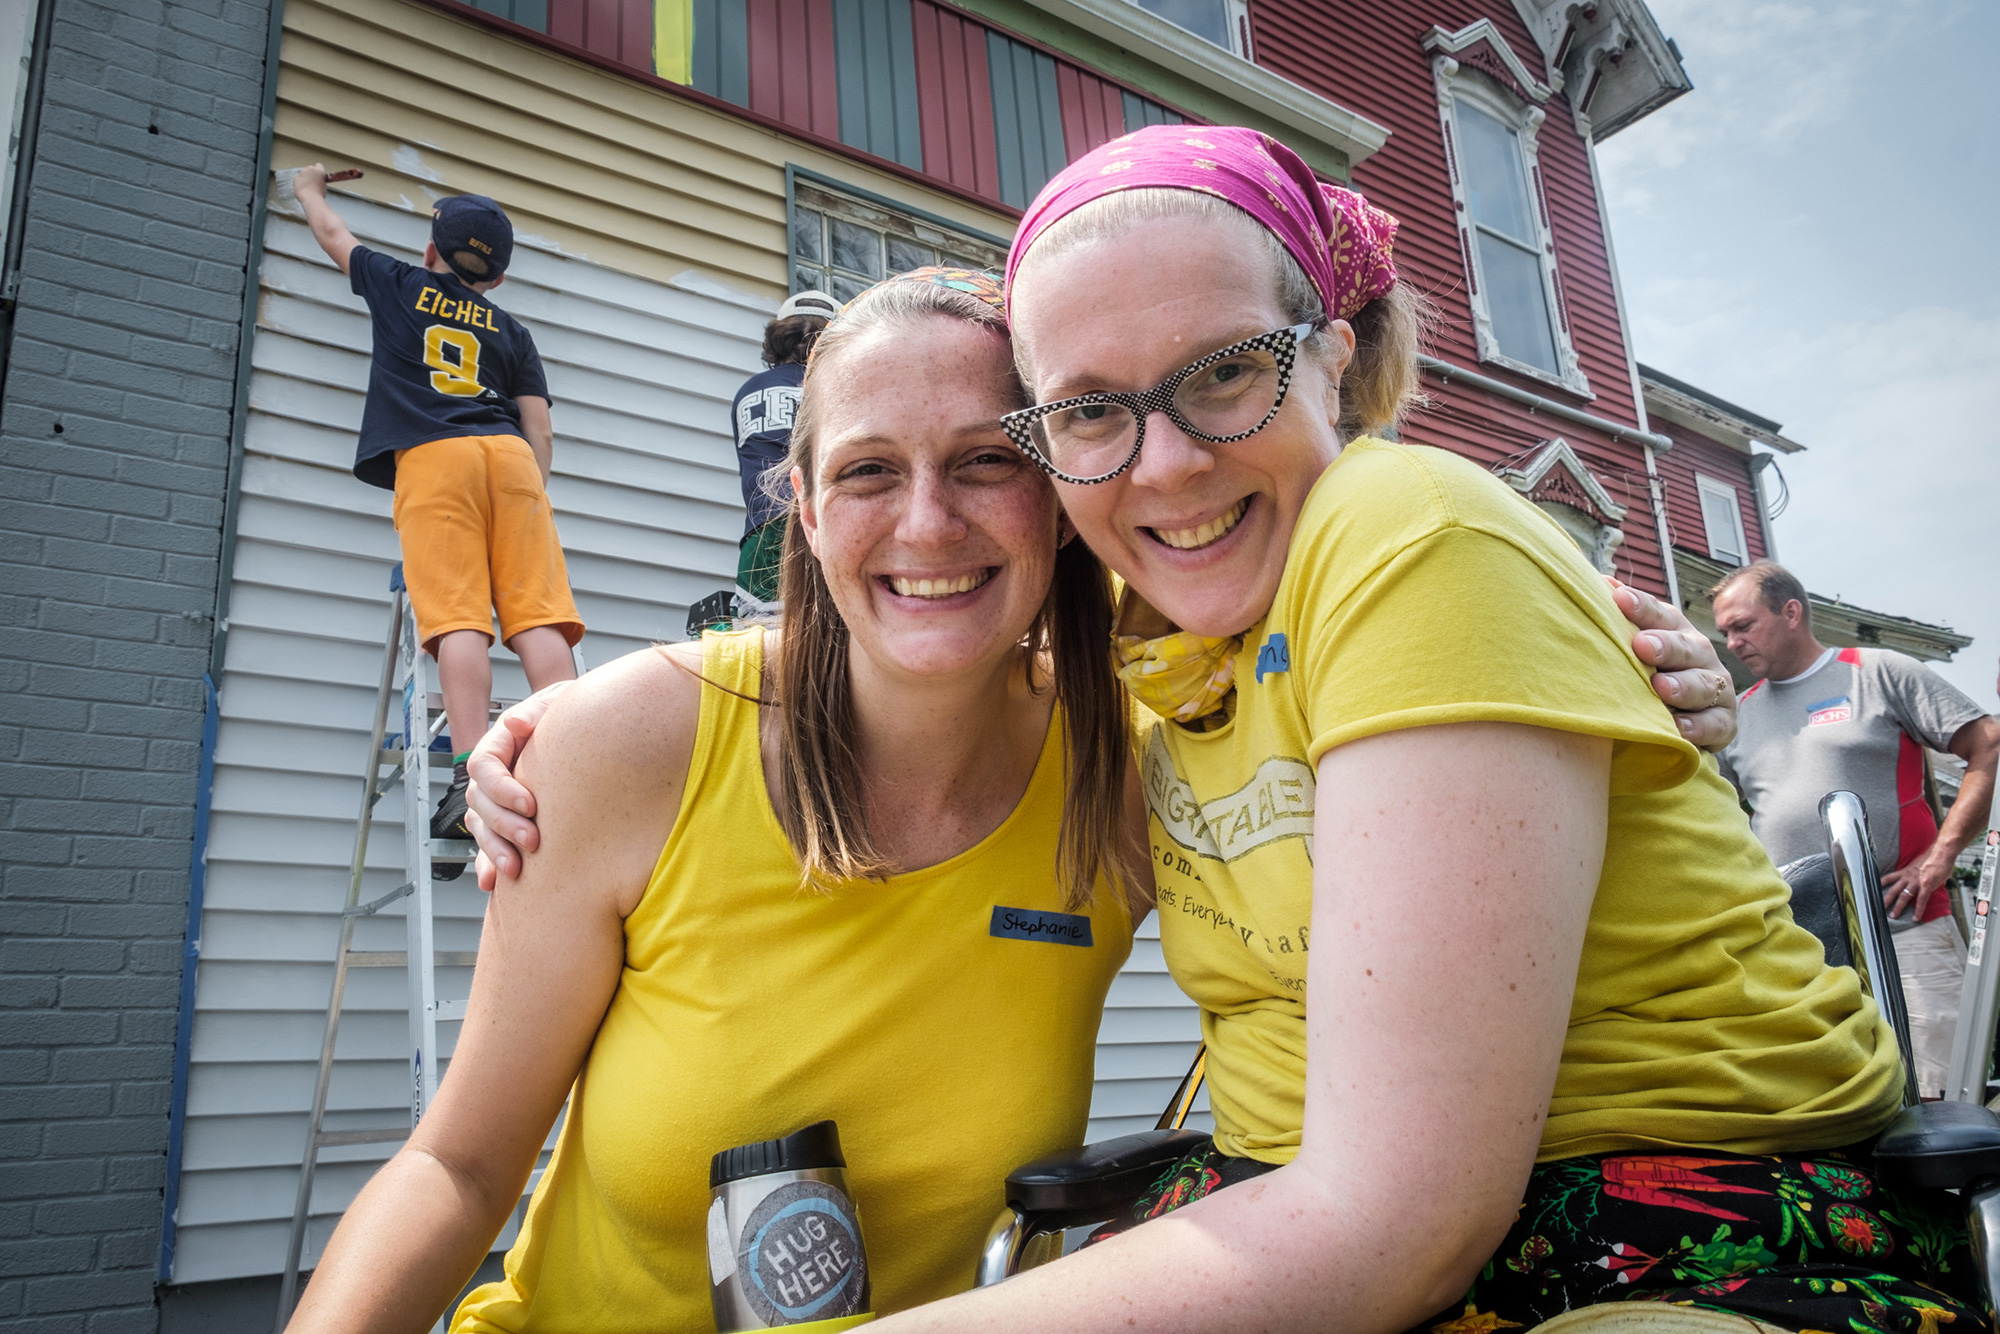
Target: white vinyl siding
x,y
646,499
1148,1039
1722,517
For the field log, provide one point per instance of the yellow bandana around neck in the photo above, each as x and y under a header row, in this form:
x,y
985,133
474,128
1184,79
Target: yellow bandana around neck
x,y
1180,675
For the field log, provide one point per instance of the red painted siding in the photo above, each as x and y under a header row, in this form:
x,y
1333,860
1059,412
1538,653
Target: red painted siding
x,y
1696,454
620,30
791,64
1368,55
1093,111
955,99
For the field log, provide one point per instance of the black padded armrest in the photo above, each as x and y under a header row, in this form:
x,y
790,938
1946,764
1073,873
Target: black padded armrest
x,y
1104,1176
1939,1145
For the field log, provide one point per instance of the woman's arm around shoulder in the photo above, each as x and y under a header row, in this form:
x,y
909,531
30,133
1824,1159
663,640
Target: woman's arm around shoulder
x,y
1454,872
608,764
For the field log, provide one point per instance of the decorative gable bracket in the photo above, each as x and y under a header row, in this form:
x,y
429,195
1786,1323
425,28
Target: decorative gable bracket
x,y
1558,483
1480,46
1608,57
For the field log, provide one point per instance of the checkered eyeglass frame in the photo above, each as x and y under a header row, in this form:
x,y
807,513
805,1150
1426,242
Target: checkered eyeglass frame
x,y
1282,344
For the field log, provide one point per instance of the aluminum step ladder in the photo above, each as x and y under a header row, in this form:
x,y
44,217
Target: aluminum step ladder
x,y
410,756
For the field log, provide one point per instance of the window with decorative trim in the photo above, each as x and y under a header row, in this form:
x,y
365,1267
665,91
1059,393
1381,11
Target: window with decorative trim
x,y
1722,517
1491,121
843,244
1224,23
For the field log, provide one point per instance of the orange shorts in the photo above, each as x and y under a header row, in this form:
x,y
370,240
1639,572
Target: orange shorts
x,y
478,535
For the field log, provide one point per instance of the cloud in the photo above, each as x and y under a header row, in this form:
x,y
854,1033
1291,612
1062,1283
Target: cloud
x,y
1796,235
1764,75
1894,506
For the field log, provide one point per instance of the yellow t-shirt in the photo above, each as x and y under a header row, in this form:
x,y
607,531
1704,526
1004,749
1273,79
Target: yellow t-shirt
x,y
1420,590
950,1040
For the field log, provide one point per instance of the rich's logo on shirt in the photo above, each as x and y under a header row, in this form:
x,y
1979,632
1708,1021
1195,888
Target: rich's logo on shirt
x,y
1274,657
1057,928
1839,709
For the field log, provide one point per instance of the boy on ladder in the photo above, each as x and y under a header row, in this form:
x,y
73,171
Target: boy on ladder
x,y
457,425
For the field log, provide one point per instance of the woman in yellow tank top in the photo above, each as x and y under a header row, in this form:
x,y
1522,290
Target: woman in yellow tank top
x,y
663,952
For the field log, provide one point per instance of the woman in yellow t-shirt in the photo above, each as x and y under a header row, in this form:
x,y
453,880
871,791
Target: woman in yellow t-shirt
x,y
1506,1012
663,952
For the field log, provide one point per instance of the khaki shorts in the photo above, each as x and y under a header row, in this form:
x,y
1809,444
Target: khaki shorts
x,y
478,536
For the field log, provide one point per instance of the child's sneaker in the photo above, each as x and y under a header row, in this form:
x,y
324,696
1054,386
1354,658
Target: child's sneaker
x,y
449,819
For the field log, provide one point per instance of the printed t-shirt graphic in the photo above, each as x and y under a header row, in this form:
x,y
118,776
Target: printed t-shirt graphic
x,y
447,362
1702,1014
762,414
1854,721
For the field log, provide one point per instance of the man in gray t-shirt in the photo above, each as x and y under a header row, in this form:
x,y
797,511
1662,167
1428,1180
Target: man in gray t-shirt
x,y
1824,719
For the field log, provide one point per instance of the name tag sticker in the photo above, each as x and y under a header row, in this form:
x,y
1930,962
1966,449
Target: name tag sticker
x,y
1056,928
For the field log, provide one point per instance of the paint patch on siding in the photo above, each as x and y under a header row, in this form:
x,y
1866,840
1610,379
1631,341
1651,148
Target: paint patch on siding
x,y
411,162
702,284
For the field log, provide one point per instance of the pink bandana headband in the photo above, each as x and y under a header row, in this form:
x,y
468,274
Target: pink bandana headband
x,y
1344,243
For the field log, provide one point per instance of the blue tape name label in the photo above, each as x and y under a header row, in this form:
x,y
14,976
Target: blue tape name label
x,y
1056,928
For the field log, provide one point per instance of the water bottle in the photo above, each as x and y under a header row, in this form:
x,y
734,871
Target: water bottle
x,y
784,1239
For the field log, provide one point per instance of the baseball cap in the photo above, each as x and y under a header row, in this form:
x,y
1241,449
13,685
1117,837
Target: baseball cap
x,y
809,303
476,224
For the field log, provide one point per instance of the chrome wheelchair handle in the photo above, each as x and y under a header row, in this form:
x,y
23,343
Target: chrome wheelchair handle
x,y
1855,875
1002,1248
1982,1208
1017,1242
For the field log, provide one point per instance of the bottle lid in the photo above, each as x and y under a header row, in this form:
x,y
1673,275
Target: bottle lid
x,y
818,1145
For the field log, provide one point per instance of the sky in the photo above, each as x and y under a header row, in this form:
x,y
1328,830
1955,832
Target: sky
x,y
1811,234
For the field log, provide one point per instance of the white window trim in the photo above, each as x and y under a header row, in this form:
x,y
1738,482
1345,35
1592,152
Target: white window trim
x,y
1456,83
1236,21
1149,37
1710,486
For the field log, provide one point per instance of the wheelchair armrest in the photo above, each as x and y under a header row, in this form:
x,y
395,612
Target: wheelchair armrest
x,y
1102,1177
1939,1145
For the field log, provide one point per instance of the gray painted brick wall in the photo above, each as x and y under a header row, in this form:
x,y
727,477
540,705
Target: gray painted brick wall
x,y
114,440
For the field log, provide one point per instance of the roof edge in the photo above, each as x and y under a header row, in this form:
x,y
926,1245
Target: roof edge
x,y
1174,48
1704,408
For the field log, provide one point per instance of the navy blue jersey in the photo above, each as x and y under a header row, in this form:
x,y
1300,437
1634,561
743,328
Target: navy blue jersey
x,y
447,363
763,415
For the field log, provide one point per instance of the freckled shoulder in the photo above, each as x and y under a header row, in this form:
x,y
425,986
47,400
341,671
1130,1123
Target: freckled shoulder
x,y
629,722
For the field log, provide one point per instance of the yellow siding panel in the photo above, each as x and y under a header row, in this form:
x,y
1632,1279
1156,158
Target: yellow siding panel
x,y
601,166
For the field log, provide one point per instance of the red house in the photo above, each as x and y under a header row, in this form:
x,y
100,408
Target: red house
x,y
1494,110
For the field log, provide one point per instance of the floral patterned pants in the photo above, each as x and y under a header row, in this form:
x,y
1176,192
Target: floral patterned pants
x,y
1802,1241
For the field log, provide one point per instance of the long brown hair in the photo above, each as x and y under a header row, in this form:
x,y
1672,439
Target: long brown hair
x,y
823,812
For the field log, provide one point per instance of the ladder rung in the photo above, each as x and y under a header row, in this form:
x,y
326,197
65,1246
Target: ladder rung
x,y
377,958
398,958
328,1139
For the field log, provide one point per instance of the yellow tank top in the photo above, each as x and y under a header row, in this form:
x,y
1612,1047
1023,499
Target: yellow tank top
x,y
950,1041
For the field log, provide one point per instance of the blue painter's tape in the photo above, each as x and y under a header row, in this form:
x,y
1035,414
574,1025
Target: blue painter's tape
x,y
1055,928
1275,656
190,963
